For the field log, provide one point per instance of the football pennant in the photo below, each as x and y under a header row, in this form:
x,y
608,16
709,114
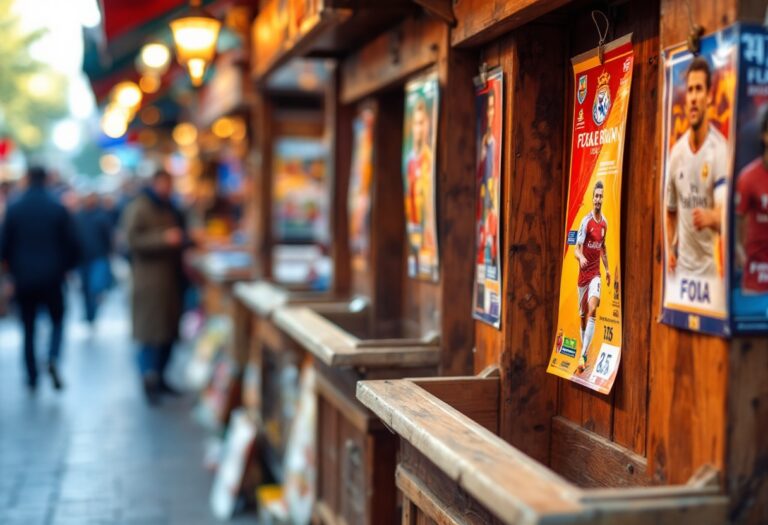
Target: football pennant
x,y
587,343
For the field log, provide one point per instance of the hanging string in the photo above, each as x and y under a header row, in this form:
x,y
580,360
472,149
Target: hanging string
x,y
602,35
695,31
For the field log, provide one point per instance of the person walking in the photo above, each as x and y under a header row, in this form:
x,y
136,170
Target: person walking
x,y
38,246
154,230
95,229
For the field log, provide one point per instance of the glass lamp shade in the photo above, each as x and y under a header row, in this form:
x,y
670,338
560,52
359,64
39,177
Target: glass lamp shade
x,y
195,36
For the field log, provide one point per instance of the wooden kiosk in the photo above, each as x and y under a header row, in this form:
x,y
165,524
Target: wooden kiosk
x,y
287,39
398,326
678,439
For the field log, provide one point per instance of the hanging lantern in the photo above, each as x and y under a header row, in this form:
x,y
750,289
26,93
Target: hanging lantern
x,y
195,35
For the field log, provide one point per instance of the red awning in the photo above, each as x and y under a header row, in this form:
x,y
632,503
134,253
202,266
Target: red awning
x,y
122,16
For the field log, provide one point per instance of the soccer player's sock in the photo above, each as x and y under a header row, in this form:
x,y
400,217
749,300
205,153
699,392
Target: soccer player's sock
x,y
581,332
589,331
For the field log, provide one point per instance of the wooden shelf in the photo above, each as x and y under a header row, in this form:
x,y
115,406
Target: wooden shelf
x,y
333,30
512,486
264,297
337,347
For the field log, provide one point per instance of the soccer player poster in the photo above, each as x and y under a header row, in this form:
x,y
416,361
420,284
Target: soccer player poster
x,y
488,105
749,281
587,344
419,134
361,177
698,111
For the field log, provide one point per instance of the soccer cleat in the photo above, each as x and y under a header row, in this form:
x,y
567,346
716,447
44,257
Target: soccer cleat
x,y
583,366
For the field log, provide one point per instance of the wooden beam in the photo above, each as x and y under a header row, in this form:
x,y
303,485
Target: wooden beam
x,y
442,9
590,460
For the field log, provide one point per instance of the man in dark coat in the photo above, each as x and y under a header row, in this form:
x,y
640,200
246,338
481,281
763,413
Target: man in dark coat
x,y
39,246
155,233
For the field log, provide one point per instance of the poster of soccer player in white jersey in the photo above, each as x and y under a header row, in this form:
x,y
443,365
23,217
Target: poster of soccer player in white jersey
x,y
698,111
749,260
587,342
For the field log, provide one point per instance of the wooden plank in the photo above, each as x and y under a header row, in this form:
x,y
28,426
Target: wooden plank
x,y
688,372
474,397
517,487
480,21
456,211
263,129
338,348
275,43
748,427
381,453
388,59
354,496
261,297
339,134
640,188
590,460
443,490
351,409
421,496
442,9
387,211
328,459
533,147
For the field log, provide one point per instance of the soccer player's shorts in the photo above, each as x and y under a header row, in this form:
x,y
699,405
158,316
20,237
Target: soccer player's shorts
x,y
587,292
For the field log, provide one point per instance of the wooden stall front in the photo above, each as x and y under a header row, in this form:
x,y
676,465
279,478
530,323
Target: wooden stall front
x,y
397,325
677,440
295,98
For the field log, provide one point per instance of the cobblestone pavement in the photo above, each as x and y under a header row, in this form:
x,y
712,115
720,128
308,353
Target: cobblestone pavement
x,y
96,453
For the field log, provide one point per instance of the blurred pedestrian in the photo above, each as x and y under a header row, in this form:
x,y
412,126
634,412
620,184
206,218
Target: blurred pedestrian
x,y
154,229
39,246
94,227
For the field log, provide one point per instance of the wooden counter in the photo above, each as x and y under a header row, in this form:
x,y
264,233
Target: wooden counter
x,y
455,469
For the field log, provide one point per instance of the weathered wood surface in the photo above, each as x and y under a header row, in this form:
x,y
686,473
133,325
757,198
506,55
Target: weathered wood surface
x,y
359,416
590,460
339,135
336,347
263,297
262,129
276,41
387,254
474,397
456,212
502,478
480,21
387,60
512,486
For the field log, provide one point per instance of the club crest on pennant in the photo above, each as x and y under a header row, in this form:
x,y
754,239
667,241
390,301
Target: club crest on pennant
x,y
602,105
582,92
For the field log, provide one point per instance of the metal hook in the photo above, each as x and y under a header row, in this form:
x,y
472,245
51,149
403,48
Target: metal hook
x,y
481,80
602,35
696,31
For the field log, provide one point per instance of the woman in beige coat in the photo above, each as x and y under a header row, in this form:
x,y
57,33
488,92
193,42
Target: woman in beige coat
x,y
155,234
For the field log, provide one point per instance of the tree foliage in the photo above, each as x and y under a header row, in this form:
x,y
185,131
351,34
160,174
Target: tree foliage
x,y
32,95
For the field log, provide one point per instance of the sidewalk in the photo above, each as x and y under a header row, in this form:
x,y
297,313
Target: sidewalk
x,y
96,453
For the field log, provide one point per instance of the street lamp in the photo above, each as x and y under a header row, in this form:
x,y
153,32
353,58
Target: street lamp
x,y
195,35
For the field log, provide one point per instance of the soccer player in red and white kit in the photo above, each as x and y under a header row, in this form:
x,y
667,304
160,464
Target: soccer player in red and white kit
x,y
590,249
752,221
